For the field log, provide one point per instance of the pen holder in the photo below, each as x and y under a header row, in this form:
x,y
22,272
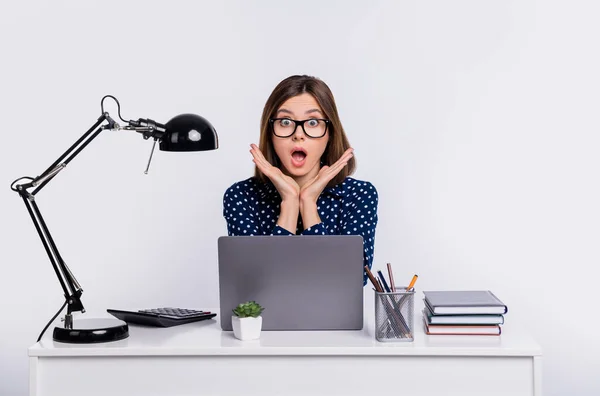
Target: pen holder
x,y
394,315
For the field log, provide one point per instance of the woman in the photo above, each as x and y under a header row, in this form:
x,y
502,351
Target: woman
x,y
301,184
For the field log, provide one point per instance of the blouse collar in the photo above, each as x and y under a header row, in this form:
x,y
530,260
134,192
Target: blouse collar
x,y
269,189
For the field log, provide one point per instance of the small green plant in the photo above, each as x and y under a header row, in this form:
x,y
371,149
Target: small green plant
x,y
249,309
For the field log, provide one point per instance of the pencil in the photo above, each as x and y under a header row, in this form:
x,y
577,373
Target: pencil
x,y
392,285
412,282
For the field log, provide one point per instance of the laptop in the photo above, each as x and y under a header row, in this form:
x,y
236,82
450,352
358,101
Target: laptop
x,y
303,282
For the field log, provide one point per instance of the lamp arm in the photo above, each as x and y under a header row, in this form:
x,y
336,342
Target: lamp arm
x,y
62,161
71,288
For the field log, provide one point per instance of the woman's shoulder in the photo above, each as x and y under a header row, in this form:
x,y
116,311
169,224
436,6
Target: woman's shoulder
x,y
359,193
357,186
250,186
242,186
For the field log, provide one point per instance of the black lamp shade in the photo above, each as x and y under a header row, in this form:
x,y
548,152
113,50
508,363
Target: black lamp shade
x,y
189,132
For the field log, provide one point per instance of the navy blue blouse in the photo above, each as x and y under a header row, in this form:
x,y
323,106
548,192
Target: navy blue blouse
x,y
349,208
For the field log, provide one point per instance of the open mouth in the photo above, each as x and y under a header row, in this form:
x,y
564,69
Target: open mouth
x,y
298,156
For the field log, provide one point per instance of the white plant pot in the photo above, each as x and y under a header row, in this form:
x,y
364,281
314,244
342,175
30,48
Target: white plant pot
x,y
246,328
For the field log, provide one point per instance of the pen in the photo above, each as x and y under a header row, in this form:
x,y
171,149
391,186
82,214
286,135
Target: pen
x,y
383,282
372,279
412,282
392,284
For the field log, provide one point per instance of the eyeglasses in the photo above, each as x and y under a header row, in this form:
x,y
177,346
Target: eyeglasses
x,y
286,127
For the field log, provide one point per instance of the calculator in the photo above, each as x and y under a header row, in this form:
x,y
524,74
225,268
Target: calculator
x,y
161,317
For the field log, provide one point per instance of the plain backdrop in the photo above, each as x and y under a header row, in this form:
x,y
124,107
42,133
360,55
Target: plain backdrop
x,y
477,121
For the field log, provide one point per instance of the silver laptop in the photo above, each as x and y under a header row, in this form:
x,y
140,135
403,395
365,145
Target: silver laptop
x,y
303,282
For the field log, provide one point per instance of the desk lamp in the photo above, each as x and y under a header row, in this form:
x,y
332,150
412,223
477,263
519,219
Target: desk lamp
x,y
185,132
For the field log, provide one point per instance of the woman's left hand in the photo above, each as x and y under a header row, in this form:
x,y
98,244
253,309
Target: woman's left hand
x,y
309,193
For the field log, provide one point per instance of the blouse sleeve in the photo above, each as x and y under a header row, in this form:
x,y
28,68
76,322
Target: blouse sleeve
x,y
359,217
240,213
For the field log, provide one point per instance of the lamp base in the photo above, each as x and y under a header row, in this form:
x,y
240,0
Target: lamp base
x,y
90,331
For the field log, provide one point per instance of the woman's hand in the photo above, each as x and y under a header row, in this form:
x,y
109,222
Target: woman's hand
x,y
287,187
310,191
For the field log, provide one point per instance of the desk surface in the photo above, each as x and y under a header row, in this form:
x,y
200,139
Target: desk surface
x,y
207,338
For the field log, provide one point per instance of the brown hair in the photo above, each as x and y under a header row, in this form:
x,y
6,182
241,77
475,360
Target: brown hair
x,y
338,142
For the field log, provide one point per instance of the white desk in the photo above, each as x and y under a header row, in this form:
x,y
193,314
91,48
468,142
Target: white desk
x,y
200,359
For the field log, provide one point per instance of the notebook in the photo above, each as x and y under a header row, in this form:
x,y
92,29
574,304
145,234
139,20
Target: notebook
x,y
309,282
493,330
456,302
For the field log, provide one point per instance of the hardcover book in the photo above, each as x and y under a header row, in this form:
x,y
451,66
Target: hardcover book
x,y
457,302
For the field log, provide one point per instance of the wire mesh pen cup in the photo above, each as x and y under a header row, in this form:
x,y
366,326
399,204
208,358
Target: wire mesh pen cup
x,y
394,315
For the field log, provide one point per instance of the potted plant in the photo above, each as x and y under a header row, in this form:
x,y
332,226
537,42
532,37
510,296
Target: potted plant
x,y
246,321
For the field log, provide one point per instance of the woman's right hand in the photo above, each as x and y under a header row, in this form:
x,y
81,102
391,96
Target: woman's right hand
x,y
287,187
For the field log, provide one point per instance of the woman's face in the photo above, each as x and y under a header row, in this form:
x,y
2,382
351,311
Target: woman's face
x,y
299,154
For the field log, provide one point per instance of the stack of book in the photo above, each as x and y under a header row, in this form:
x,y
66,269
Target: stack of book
x,y
455,312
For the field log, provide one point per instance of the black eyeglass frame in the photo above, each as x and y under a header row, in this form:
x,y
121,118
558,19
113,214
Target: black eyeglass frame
x,y
301,123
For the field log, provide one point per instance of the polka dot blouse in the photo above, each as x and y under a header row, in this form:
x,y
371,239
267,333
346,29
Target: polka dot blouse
x,y
349,208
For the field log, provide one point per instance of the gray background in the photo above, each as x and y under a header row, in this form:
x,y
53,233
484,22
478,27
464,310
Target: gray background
x,y
477,121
